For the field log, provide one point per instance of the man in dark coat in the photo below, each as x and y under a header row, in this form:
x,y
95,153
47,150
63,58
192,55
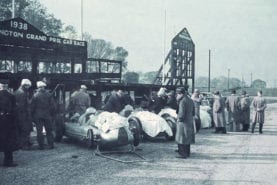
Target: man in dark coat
x,y
8,126
232,105
185,130
159,101
116,102
42,111
80,101
23,113
245,111
259,105
219,113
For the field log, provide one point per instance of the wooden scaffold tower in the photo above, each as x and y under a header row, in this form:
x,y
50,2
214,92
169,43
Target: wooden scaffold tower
x,y
179,65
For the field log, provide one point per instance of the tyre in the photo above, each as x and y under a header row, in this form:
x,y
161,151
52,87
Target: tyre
x,y
59,129
136,128
172,124
89,139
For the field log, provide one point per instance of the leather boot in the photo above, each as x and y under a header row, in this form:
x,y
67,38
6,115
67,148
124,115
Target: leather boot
x,y
216,130
261,128
188,150
223,130
253,127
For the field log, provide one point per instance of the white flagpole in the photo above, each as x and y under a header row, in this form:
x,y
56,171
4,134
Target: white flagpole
x,y
82,15
13,9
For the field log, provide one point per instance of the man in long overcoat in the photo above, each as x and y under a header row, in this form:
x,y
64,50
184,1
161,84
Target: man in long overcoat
x,y
218,113
42,111
245,111
185,131
23,113
259,105
232,105
8,126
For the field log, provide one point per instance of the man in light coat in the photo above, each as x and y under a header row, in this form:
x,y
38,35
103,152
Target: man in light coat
x,y
23,113
232,105
245,111
218,113
185,130
259,105
197,102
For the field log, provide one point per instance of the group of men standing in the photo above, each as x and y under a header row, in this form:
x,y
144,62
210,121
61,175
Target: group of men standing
x,y
18,111
238,108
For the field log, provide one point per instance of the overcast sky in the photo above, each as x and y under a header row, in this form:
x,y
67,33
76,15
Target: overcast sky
x,y
240,33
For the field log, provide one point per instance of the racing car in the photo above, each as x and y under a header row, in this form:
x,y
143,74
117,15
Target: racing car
x,y
101,129
152,125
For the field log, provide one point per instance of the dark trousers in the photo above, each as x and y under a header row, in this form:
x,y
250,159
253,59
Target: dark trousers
x,y
197,123
8,158
49,132
260,127
184,150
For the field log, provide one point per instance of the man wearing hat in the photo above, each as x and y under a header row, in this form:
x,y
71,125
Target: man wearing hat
x,y
185,131
80,101
42,111
23,113
8,126
245,111
232,106
219,113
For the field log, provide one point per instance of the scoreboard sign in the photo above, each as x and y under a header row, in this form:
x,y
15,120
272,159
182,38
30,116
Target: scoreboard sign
x,y
20,33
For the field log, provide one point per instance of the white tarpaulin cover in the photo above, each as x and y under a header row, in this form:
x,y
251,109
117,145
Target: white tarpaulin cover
x,y
152,124
206,120
109,121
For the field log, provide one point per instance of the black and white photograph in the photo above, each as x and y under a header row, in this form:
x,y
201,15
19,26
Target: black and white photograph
x,y
136,92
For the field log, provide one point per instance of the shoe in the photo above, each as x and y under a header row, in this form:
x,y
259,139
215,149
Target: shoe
x,y
180,157
41,148
26,148
10,165
176,151
50,147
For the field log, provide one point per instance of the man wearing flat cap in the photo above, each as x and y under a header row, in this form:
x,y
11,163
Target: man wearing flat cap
x,y
79,101
185,130
42,111
23,113
245,111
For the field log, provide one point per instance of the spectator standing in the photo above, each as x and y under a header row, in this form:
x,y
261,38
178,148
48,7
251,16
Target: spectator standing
x,y
42,111
23,113
218,113
259,105
185,132
232,105
80,101
245,111
8,126
197,102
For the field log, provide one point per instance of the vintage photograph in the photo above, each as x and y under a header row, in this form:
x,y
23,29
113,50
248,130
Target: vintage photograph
x,y
136,92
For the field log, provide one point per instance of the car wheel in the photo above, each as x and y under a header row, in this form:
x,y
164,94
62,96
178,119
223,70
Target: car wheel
x,y
59,131
171,123
89,139
135,127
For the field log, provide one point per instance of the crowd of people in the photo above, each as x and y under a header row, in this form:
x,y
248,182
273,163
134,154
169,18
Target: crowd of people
x,y
18,112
